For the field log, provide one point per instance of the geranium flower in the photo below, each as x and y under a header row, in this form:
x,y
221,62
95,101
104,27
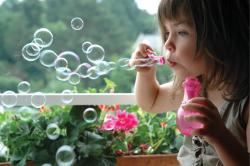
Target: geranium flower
x,y
109,122
123,121
44,109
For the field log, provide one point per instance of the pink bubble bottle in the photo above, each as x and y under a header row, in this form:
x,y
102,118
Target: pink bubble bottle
x,y
192,88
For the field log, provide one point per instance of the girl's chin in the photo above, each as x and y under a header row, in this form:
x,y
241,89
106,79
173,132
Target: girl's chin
x,y
183,74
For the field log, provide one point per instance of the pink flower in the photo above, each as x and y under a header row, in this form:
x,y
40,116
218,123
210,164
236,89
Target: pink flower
x,y
123,121
109,122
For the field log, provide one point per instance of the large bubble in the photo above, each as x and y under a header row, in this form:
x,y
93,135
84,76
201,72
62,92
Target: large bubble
x,y
61,64
102,67
124,64
93,73
85,46
38,99
44,35
48,58
53,131
90,115
23,87
82,70
67,96
9,99
72,59
65,156
74,78
31,52
77,23
95,53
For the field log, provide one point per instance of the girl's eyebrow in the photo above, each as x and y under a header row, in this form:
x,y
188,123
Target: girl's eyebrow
x,y
185,22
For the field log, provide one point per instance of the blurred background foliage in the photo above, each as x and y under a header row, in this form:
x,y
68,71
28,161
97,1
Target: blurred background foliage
x,y
113,24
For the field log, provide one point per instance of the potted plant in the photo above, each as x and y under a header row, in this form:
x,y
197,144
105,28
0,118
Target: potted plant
x,y
88,135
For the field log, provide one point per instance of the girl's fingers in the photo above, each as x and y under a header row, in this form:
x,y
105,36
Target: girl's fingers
x,y
194,107
196,118
202,100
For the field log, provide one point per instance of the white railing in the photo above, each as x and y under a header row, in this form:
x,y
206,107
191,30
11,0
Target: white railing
x,y
79,99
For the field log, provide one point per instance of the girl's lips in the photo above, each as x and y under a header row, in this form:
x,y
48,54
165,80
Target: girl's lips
x,y
171,63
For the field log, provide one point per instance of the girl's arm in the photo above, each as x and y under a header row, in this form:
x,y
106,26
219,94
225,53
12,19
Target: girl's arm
x,y
230,151
153,97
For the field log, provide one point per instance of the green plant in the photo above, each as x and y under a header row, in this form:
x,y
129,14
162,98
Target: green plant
x,y
28,137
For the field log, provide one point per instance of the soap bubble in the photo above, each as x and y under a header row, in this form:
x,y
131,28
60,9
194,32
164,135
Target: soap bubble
x,y
102,67
67,96
61,64
1,109
25,109
112,65
9,99
3,150
46,164
90,115
65,156
95,53
38,42
25,112
48,58
82,70
93,73
124,64
31,52
74,78
45,35
85,46
23,87
53,131
99,1
38,100
73,60
77,23
63,75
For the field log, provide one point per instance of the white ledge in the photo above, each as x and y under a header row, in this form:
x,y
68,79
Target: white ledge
x,y
78,99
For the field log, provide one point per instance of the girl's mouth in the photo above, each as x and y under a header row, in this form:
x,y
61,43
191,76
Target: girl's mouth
x,y
171,63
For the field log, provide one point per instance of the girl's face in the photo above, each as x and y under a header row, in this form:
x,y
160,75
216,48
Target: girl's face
x,y
181,43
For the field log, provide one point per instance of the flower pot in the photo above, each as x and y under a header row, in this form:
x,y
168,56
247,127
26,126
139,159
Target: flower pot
x,y
148,160
29,163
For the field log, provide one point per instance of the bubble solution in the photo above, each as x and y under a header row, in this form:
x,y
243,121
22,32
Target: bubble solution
x,y
192,89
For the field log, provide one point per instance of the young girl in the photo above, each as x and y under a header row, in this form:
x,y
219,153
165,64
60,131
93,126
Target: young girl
x,y
207,39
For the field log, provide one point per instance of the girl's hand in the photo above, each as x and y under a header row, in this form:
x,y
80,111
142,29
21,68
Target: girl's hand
x,y
141,52
213,126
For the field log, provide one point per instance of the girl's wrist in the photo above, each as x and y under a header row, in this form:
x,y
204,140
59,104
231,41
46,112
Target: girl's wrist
x,y
220,138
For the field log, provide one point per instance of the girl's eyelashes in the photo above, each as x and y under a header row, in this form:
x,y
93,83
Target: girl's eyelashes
x,y
183,33
180,33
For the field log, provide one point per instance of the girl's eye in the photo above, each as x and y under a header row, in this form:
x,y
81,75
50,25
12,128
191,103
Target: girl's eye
x,y
183,33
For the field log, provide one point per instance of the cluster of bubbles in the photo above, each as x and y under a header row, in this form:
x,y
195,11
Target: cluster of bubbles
x,y
69,67
9,98
68,64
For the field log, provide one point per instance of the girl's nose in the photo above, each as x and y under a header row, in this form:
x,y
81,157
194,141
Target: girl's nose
x,y
170,46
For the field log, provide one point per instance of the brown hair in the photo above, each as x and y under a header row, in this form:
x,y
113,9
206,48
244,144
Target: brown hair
x,y
222,31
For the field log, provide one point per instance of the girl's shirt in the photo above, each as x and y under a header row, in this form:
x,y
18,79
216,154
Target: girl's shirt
x,y
196,152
